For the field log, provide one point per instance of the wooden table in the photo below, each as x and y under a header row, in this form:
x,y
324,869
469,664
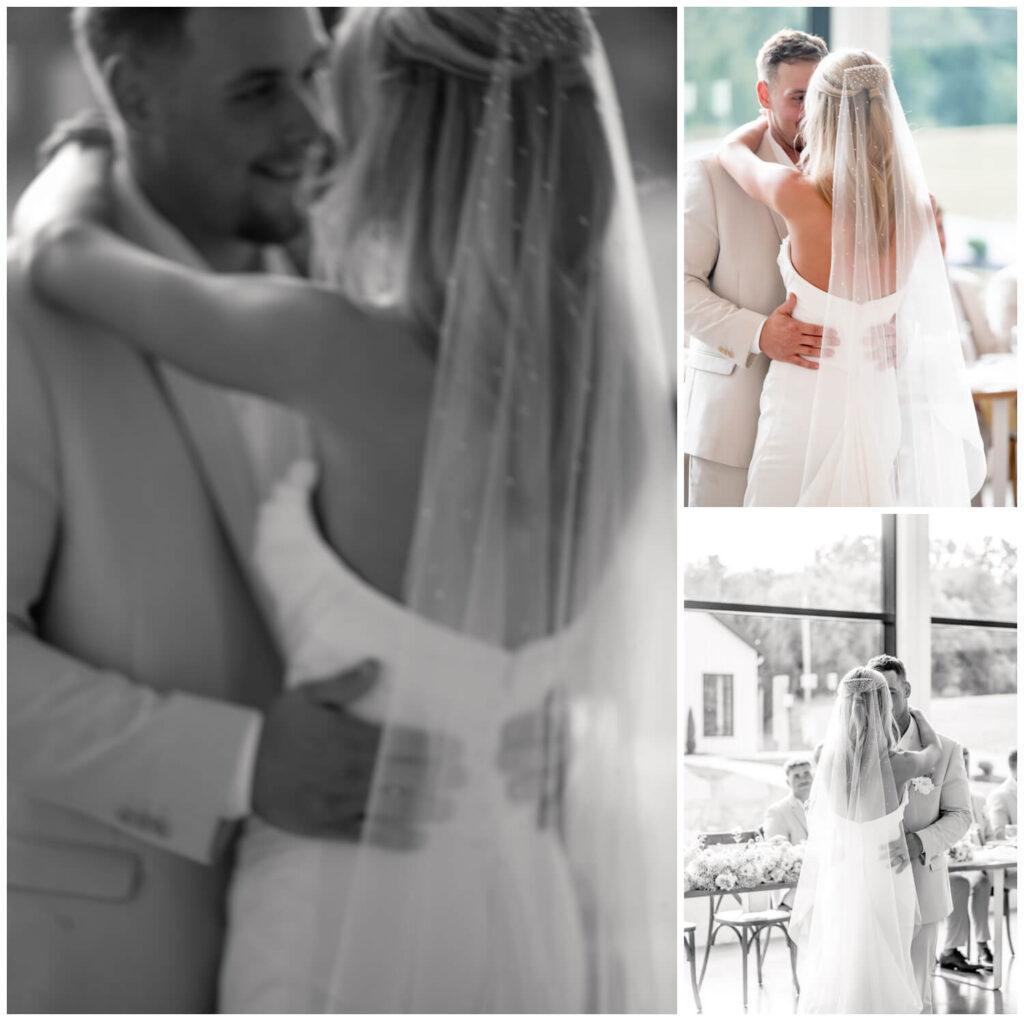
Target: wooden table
x,y
995,860
993,380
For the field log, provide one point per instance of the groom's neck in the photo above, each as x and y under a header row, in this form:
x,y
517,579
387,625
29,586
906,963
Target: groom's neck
x,y
903,722
222,253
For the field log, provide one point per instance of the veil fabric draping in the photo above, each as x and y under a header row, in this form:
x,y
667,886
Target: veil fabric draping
x,y
855,914
892,422
544,551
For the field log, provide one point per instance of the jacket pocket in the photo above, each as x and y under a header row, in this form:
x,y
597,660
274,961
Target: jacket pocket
x,y
709,363
72,870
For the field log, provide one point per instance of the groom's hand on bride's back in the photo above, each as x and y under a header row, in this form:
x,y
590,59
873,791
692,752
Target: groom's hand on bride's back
x,y
785,339
315,766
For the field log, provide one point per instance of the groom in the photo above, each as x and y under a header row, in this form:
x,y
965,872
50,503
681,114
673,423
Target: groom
x,y
145,711
736,310
934,822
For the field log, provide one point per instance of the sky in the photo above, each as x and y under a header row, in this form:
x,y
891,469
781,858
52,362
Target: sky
x,y
788,537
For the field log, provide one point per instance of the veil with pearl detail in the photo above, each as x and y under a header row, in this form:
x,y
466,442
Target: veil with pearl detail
x,y
544,542
855,910
892,422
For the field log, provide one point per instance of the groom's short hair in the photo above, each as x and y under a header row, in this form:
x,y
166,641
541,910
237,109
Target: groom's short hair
x,y
886,663
103,31
788,47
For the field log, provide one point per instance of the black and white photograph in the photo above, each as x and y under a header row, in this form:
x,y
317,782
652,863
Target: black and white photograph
x,y
850,256
341,510
849,769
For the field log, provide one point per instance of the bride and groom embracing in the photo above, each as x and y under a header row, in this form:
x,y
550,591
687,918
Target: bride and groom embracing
x,y
888,792
825,366
458,463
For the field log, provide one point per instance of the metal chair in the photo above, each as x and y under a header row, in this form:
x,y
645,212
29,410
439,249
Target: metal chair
x,y
690,946
748,925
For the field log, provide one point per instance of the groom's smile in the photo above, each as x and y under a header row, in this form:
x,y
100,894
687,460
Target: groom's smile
x,y
237,117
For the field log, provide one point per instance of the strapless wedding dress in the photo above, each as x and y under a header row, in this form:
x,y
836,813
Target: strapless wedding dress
x,y
854,948
777,469
497,925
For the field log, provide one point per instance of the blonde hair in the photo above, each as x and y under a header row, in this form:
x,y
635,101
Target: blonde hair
x,y
863,683
860,78
410,87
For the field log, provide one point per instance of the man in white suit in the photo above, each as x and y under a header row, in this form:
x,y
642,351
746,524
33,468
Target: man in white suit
x,y
145,712
736,311
934,822
788,817
1002,802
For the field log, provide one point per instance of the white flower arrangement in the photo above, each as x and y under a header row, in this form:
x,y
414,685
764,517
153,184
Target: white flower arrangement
x,y
922,784
728,866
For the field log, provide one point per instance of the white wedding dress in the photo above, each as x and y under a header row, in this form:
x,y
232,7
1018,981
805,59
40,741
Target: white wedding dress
x,y
854,918
870,434
492,891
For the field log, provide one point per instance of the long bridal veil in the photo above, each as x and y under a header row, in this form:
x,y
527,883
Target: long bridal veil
x,y
545,536
892,423
855,910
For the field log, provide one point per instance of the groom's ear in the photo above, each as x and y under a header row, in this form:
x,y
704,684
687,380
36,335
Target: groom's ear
x,y
130,86
763,96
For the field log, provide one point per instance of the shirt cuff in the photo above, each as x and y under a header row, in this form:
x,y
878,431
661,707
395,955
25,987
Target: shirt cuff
x,y
241,791
755,346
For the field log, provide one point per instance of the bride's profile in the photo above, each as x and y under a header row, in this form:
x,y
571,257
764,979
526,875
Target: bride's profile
x,y
491,515
887,418
855,910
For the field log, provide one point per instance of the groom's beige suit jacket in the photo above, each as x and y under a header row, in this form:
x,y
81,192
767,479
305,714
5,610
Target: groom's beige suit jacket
x,y
940,819
135,648
732,281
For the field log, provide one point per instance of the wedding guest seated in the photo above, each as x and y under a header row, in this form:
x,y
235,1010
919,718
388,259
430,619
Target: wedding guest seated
x,y
1002,802
968,295
1001,305
970,892
787,818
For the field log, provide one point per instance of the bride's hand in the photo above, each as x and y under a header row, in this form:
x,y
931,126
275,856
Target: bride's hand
x,y
748,135
74,187
71,194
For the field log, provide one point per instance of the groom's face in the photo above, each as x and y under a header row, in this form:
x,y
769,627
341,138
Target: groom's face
x,y
899,692
783,100
236,114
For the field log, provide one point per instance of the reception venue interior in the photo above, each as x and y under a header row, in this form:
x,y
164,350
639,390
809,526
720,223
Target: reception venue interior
x,y
779,605
954,69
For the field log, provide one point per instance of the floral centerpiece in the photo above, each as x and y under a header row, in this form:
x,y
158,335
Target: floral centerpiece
x,y
725,867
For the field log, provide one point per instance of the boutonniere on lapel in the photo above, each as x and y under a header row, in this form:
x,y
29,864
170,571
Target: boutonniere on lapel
x,y
922,784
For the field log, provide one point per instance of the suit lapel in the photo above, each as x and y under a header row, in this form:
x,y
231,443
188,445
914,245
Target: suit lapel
x,y
801,816
204,412
207,421
766,152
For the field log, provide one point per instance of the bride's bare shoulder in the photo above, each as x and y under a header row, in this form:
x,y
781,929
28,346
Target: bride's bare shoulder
x,y
799,198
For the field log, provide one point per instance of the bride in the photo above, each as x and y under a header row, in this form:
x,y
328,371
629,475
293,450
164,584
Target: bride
x,y
887,418
855,909
491,515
